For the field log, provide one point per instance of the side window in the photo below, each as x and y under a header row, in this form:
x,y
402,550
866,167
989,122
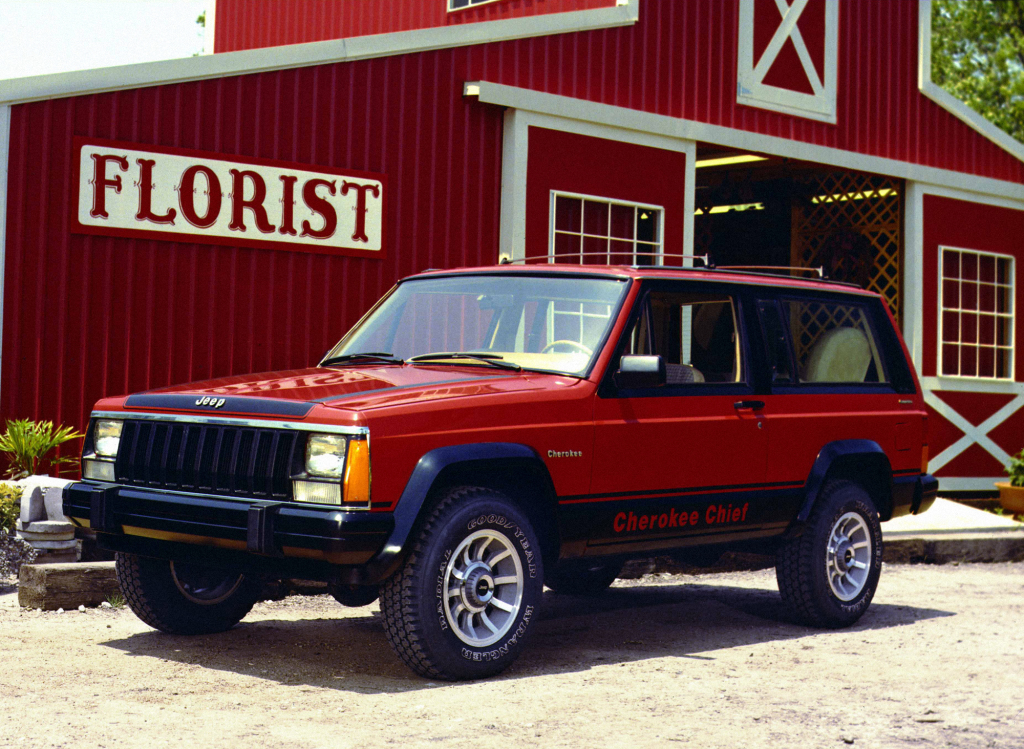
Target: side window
x,y
694,333
832,342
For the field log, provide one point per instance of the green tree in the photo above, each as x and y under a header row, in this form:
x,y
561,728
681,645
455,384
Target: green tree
x,y
978,57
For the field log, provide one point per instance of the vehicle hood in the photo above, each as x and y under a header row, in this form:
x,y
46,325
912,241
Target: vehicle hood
x,y
294,393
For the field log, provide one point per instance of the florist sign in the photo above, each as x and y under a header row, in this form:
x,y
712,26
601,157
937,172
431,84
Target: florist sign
x,y
152,192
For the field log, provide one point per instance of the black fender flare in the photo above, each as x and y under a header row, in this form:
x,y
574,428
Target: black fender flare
x,y
410,504
828,456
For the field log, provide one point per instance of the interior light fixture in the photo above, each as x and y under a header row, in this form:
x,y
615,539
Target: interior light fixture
x,y
743,158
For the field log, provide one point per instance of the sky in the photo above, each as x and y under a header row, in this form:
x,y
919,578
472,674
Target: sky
x,y
38,37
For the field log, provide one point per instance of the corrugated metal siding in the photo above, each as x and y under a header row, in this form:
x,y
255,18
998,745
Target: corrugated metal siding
x,y
277,22
91,316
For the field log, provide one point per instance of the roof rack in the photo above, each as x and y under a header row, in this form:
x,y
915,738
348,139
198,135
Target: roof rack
x,y
820,270
560,255
767,270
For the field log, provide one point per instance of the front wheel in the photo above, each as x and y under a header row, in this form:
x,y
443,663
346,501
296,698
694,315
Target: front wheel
x,y
466,597
184,599
829,574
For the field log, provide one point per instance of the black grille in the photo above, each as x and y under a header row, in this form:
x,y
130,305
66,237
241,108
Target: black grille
x,y
234,461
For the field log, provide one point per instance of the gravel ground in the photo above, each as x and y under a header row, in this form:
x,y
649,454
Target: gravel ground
x,y
667,660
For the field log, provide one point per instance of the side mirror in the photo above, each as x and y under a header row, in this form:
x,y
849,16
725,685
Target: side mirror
x,y
640,372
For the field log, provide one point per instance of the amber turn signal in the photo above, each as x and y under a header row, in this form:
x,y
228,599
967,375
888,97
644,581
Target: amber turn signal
x,y
357,473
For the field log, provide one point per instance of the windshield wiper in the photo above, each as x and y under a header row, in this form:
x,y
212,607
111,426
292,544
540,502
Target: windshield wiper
x,y
493,360
380,357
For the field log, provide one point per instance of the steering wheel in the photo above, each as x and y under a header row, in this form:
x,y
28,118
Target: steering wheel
x,y
566,342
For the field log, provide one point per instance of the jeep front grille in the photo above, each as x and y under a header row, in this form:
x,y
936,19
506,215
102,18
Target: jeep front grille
x,y
229,460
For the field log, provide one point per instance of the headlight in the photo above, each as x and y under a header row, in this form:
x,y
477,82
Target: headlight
x,y
325,455
106,438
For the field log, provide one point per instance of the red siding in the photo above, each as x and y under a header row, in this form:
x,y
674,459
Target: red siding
x,y
276,22
90,316
87,316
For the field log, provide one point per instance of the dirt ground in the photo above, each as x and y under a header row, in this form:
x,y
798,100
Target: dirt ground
x,y
668,660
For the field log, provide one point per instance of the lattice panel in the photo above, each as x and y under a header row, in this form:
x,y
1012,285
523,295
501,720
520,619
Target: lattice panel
x,y
850,223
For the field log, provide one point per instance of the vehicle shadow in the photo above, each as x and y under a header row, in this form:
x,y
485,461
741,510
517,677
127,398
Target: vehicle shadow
x,y
621,625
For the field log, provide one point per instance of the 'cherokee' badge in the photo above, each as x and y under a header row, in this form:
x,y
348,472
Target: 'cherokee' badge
x,y
211,402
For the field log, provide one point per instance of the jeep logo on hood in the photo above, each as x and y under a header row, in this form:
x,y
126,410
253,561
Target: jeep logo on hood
x,y
211,402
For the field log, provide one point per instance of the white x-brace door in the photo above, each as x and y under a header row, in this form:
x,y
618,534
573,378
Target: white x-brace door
x,y
751,88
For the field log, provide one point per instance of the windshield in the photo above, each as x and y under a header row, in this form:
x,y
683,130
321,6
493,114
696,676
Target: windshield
x,y
548,323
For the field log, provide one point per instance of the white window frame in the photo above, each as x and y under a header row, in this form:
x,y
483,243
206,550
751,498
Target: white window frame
x,y
472,4
751,90
1010,317
658,243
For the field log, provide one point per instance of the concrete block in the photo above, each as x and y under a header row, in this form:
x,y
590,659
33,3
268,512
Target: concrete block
x,y
33,504
66,586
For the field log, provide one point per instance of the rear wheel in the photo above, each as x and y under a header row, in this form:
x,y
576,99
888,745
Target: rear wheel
x,y
829,574
184,599
579,577
462,604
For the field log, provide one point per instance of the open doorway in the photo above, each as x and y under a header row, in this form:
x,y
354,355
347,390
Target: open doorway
x,y
753,209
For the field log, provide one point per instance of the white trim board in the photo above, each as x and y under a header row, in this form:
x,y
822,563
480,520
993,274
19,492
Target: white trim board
x,y
946,100
99,80
5,151
668,128
958,484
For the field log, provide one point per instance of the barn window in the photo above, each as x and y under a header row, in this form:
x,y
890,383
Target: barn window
x,y
601,231
976,314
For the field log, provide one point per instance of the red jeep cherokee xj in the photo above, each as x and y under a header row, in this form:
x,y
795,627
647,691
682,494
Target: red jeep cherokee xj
x,y
481,433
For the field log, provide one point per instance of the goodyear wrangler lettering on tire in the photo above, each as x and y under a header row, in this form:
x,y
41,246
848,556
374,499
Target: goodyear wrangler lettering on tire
x,y
462,605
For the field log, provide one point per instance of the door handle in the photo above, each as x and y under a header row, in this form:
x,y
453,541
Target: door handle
x,y
756,405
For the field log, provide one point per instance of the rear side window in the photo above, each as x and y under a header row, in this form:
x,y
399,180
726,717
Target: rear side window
x,y
831,342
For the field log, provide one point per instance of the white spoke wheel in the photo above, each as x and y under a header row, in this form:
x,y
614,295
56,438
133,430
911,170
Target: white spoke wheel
x,y
829,573
465,599
848,556
484,588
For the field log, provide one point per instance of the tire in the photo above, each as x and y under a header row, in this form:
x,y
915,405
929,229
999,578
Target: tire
x,y
184,599
475,561
579,577
354,595
829,574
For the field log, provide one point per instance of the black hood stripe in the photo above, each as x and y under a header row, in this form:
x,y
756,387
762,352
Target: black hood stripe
x,y
215,404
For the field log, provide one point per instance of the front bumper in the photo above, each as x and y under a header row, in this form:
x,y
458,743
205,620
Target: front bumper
x,y
274,536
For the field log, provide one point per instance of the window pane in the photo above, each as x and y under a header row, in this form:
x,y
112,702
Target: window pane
x,y
622,221
568,213
950,359
987,298
969,267
595,218
987,268
950,264
950,327
969,296
950,294
986,362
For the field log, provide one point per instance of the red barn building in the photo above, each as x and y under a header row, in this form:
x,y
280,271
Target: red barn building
x,y
237,212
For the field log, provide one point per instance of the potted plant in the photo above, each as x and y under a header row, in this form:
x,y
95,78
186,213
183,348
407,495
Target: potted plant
x,y
28,444
1011,493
